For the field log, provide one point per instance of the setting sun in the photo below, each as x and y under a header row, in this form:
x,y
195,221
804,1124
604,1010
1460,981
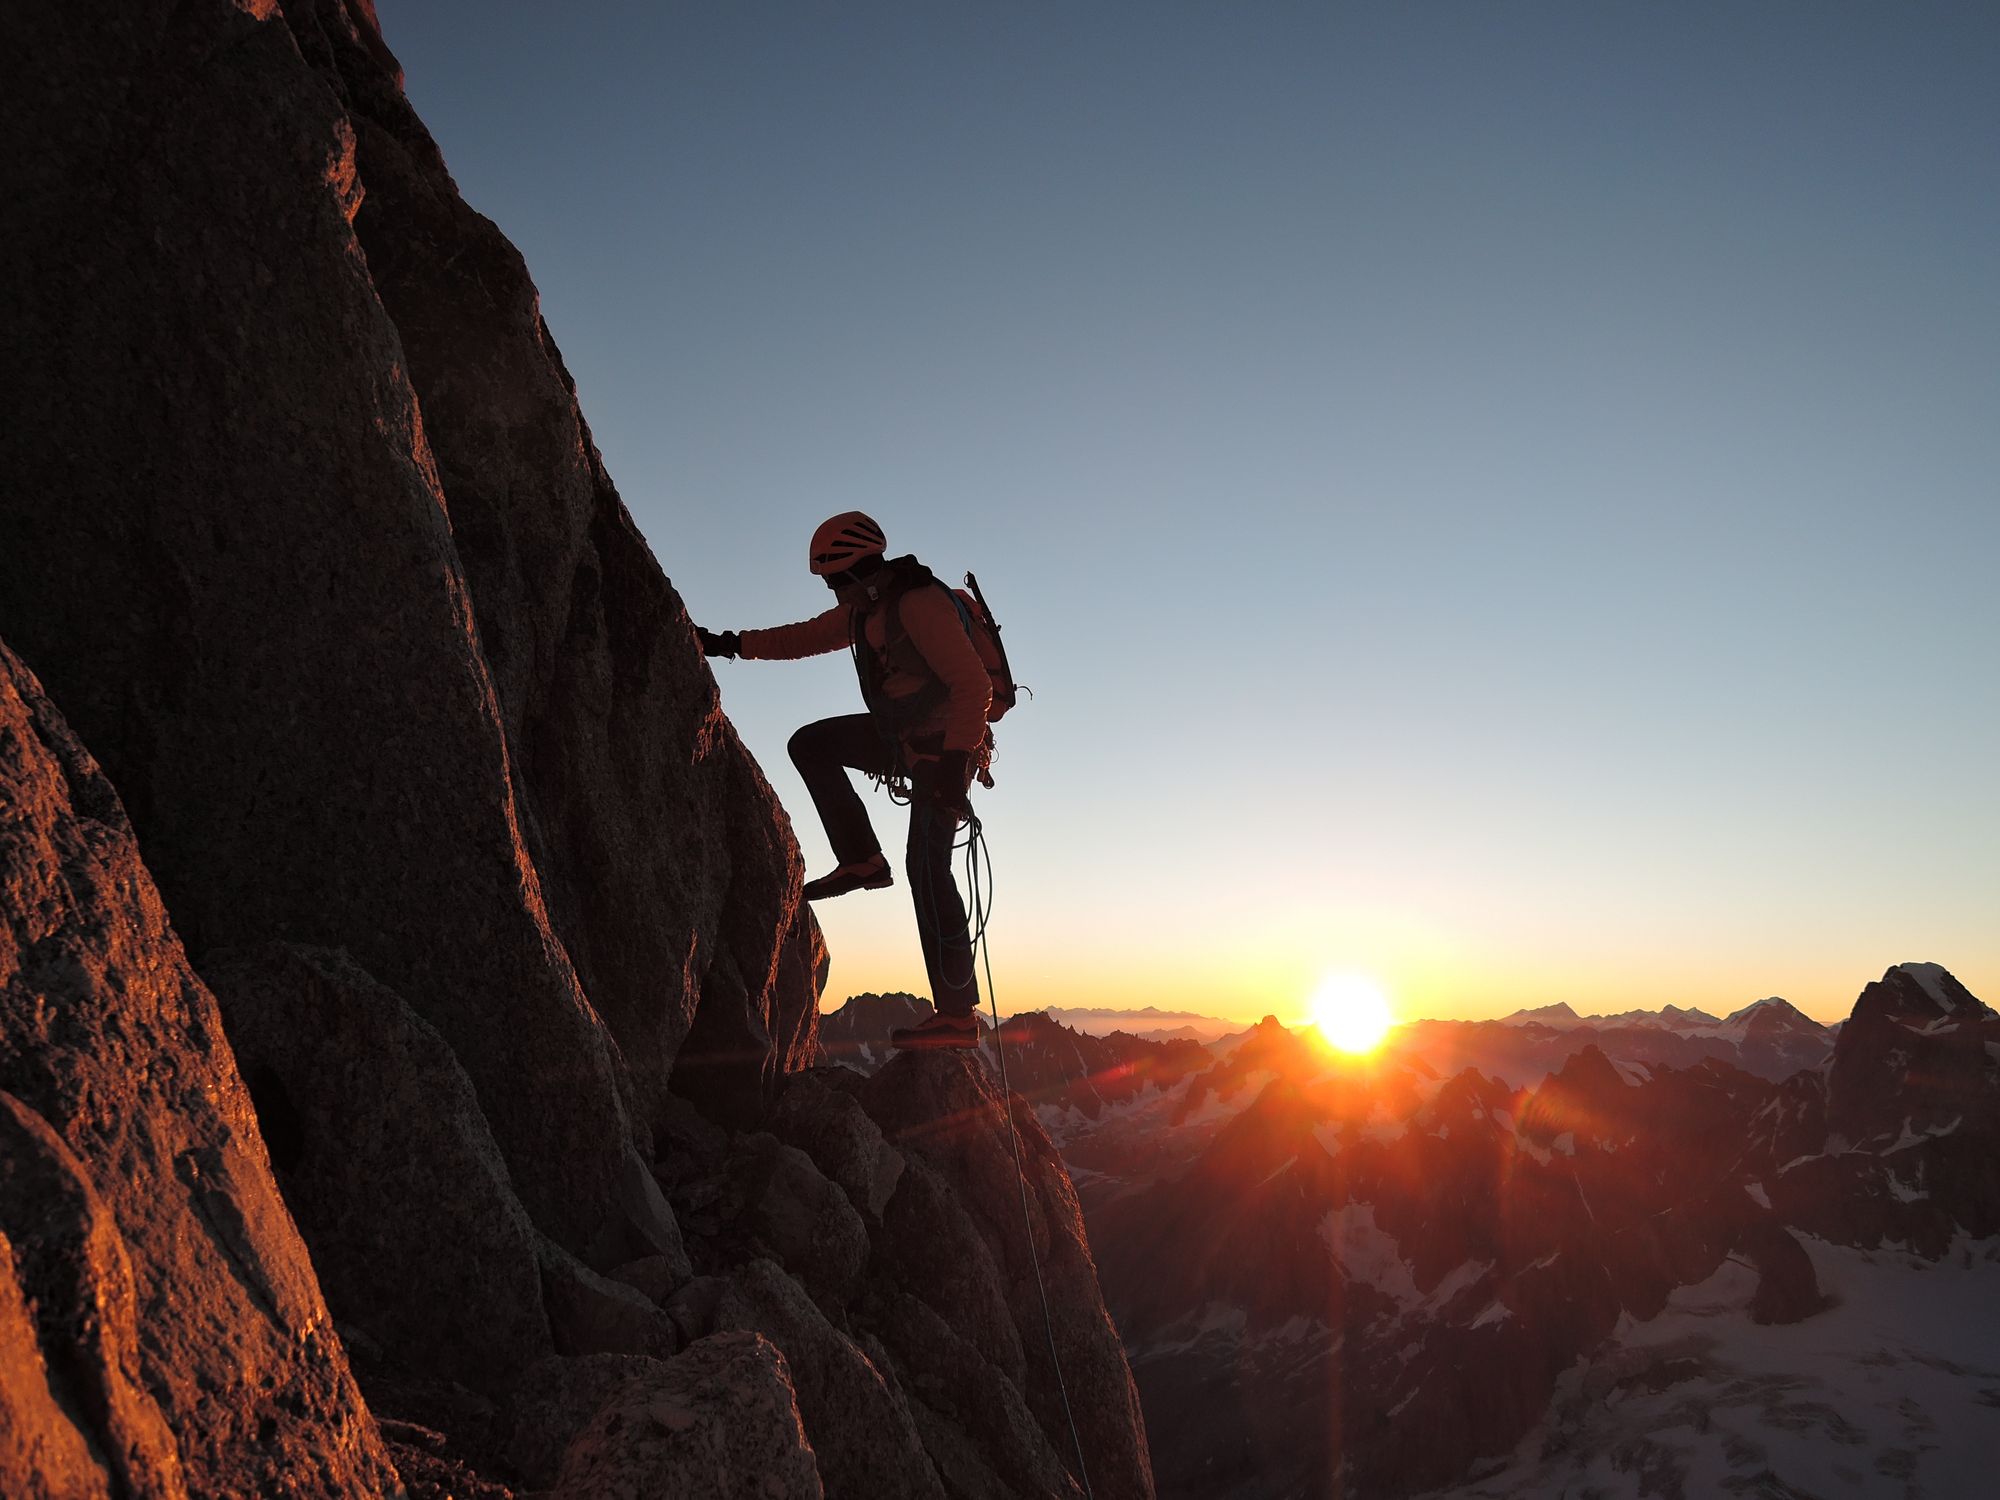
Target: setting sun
x,y
1351,1012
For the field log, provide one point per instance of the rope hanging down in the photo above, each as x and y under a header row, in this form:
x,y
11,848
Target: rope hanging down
x,y
977,853
978,953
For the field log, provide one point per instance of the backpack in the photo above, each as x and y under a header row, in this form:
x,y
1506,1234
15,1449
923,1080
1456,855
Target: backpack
x,y
985,633
907,574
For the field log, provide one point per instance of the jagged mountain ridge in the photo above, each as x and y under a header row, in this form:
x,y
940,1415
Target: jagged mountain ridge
x,y
1425,1256
1247,1208
309,545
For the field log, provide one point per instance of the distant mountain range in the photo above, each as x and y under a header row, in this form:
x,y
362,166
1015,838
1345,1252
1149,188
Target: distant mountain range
x,y
1148,1022
1522,1256
1770,1038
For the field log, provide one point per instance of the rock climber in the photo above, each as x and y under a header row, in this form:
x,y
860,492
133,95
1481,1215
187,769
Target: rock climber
x,y
928,692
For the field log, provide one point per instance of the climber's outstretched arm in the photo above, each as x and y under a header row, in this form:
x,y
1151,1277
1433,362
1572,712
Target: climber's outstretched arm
x,y
814,637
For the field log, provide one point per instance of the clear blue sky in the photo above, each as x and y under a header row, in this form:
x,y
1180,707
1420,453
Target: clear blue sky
x,y
1501,497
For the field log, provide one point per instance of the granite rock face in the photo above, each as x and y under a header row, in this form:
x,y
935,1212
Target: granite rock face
x,y
348,609
162,1330
309,542
233,566
666,868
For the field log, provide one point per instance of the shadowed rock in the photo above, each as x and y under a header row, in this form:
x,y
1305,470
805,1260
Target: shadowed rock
x,y
386,1163
803,1220
234,566
178,1321
666,866
857,1420
942,1110
718,1420
827,1122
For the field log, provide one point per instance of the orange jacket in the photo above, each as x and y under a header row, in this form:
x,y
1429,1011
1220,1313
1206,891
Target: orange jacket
x,y
937,634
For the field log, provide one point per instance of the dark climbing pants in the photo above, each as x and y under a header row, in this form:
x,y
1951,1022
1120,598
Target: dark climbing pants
x,y
824,753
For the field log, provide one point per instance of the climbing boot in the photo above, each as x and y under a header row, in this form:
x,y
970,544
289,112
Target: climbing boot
x,y
937,1032
870,874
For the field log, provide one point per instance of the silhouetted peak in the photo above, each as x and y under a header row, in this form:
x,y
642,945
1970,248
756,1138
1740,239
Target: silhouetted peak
x,y
1918,991
1588,1072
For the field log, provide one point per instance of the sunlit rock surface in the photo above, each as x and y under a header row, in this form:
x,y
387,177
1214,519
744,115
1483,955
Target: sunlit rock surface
x,y
161,1329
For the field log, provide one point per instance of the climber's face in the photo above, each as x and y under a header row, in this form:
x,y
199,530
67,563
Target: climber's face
x,y
850,586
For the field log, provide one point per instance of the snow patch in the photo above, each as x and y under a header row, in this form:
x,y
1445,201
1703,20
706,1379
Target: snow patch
x,y
1495,1312
1903,1192
1887,1391
1461,1278
1368,1254
1757,1194
1912,1137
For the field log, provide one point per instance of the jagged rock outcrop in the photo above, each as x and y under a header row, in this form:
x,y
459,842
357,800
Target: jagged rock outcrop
x,y
161,1329
937,1342
1901,1144
946,1112
1059,1068
857,1034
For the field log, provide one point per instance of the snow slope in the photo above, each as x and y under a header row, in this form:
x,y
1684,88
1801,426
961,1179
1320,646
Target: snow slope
x,y
1893,1390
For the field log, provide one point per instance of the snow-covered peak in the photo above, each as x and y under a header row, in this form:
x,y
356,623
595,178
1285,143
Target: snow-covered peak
x,y
1769,1014
1558,1015
1931,979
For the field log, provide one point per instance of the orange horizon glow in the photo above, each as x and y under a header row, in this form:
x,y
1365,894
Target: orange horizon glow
x,y
1240,975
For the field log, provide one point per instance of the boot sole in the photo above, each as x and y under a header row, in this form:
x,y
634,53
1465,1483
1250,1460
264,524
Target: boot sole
x,y
848,890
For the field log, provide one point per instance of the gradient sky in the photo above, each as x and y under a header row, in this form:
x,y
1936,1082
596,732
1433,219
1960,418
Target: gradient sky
x,y
1499,497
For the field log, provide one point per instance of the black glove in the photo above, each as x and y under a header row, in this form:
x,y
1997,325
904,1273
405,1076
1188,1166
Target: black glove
x,y
728,643
945,782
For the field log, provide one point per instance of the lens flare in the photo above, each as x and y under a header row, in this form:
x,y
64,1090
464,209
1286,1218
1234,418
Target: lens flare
x,y
1351,1012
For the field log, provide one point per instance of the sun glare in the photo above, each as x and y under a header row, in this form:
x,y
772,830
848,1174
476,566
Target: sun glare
x,y
1351,1012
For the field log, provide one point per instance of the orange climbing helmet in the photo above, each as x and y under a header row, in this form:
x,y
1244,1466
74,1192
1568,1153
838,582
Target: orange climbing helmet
x,y
844,540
